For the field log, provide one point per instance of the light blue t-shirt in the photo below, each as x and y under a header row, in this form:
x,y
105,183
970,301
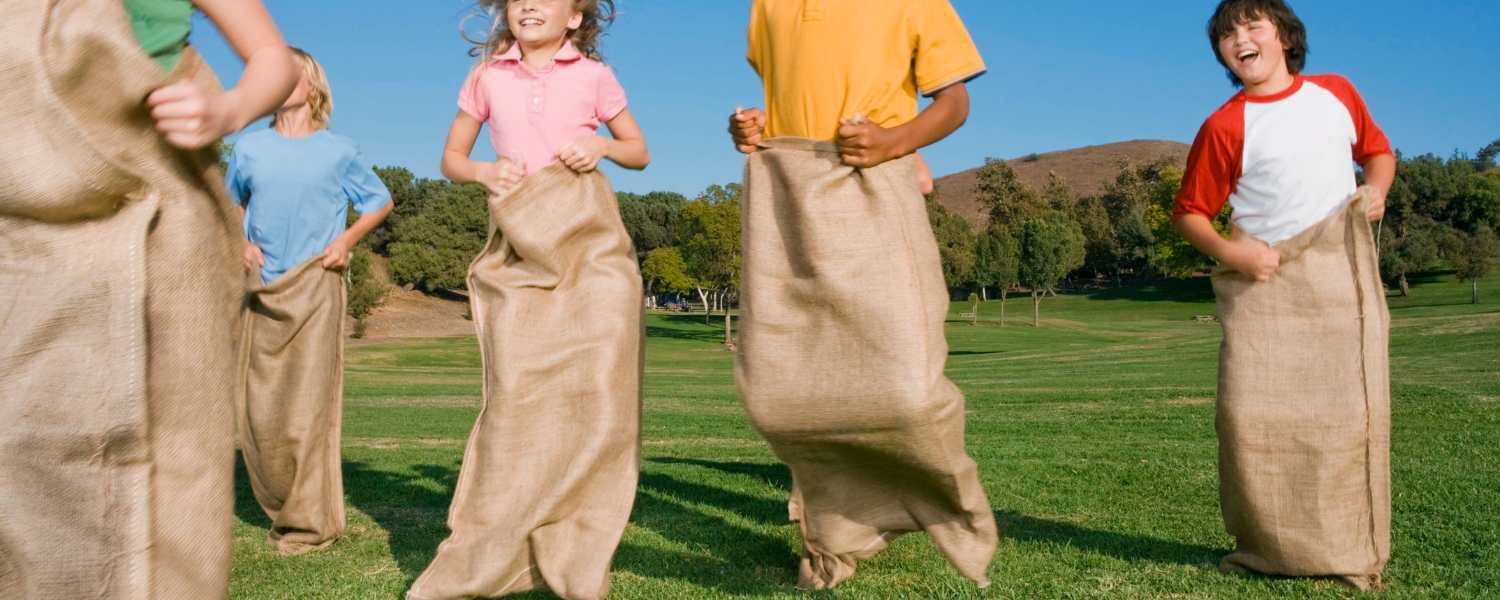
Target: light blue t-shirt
x,y
297,191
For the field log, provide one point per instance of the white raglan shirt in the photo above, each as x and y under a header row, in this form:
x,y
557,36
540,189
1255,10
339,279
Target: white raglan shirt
x,y
1282,162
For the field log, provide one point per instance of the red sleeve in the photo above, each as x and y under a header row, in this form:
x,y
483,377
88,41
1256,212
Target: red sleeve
x,y
1214,163
1369,140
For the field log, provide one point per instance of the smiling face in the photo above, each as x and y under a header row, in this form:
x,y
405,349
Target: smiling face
x,y
1256,54
541,23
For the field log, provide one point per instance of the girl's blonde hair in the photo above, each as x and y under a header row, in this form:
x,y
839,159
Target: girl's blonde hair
x,y
319,94
597,15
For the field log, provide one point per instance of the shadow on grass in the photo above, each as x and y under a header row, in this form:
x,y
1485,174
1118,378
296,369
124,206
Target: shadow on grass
x,y
975,352
1014,525
727,557
699,335
413,511
414,514
1023,528
1197,289
246,507
775,474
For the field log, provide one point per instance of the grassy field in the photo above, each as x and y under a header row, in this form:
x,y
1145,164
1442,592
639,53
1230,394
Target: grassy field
x,y
1094,435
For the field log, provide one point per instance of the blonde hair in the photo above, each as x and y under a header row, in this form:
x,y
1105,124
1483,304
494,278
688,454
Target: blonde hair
x,y
597,15
319,94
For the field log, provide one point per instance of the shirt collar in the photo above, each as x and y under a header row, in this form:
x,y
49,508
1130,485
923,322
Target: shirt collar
x,y
567,54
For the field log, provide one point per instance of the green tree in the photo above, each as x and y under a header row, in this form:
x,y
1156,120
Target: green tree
x,y
709,234
651,219
665,272
1004,196
365,291
1056,194
1485,159
1051,247
955,239
407,192
997,257
1473,255
432,249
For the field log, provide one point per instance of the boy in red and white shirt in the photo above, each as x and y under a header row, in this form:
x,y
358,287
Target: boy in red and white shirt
x,y
1282,151
1303,408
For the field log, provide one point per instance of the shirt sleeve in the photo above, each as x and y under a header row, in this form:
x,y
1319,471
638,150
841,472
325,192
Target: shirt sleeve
x,y
1213,168
234,179
471,98
945,54
1369,140
362,186
757,37
611,99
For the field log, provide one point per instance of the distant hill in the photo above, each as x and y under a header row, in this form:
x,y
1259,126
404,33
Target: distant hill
x,y
1086,170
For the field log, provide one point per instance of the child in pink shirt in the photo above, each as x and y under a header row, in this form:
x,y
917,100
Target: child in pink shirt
x,y
544,93
549,473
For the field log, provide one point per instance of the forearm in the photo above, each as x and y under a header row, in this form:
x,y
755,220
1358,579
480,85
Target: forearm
x,y
1200,232
631,154
1380,172
270,74
459,168
365,224
948,111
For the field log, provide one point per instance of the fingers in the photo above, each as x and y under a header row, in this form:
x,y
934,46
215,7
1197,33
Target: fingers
x,y
746,127
171,93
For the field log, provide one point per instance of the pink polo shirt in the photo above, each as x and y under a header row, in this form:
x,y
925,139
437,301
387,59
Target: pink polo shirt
x,y
534,113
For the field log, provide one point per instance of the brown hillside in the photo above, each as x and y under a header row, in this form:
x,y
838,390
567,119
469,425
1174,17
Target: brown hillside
x,y
1086,170
410,313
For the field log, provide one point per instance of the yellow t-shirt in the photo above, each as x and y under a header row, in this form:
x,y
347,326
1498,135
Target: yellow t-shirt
x,y
822,61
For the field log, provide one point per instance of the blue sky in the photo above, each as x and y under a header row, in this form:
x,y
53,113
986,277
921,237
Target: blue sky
x,y
1062,74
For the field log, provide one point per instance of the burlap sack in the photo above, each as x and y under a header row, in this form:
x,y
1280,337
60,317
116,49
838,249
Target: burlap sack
x,y
549,474
291,404
841,361
1304,408
119,298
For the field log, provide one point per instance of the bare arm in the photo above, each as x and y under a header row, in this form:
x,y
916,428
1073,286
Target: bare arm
x,y
498,176
628,148
338,252
462,134
193,118
865,144
1380,173
1243,253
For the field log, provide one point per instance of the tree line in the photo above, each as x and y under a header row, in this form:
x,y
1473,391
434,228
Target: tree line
x,y
1442,213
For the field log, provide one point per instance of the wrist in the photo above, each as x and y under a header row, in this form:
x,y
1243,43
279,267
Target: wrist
x,y
233,108
901,141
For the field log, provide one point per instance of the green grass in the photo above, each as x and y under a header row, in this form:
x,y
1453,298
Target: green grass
x,y
1094,435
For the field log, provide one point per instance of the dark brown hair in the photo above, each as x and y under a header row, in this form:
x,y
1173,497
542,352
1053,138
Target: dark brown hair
x,y
597,15
1290,28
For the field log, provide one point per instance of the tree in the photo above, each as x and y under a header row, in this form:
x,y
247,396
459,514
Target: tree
x,y
955,239
365,291
1056,195
1409,244
1473,254
709,234
651,219
1005,197
432,250
407,192
996,262
664,271
1051,247
1485,159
